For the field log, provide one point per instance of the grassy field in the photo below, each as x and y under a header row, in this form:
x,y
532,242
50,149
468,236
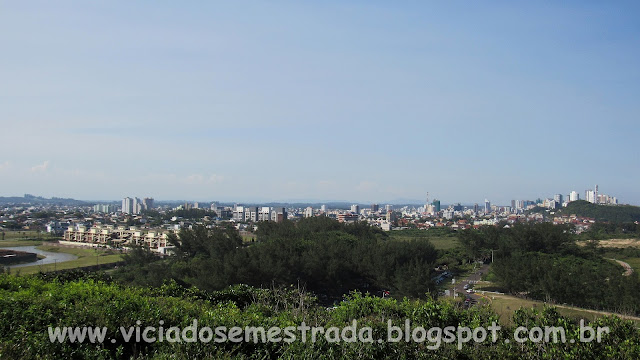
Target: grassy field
x,y
24,238
26,234
11,243
505,306
86,257
634,262
439,239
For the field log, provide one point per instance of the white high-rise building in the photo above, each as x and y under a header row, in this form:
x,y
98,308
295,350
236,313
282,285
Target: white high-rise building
x,y
574,196
308,212
590,196
323,208
127,205
355,208
487,206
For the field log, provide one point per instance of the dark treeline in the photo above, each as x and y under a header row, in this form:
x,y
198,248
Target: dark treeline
x,y
544,262
619,213
317,253
601,231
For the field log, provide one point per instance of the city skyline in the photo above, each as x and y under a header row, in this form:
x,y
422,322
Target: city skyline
x,y
360,102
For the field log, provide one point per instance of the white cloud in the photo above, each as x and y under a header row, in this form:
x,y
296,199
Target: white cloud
x,y
194,179
216,178
41,168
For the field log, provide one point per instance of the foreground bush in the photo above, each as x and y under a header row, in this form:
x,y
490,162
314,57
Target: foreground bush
x,y
29,305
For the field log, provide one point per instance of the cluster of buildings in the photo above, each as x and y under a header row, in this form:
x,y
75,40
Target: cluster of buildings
x,y
559,200
135,205
117,236
254,213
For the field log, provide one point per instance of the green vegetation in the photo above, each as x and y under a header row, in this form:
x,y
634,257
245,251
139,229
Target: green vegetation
x,y
613,213
543,262
318,253
29,305
13,243
441,238
506,306
24,235
602,231
86,257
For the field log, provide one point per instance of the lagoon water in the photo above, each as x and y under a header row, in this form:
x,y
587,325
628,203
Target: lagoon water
x,y
51,257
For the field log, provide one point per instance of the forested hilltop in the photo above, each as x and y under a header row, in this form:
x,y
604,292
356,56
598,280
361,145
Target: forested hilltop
x,y
609,213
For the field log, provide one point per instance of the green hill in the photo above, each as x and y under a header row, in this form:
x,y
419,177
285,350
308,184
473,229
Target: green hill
x,y
611,213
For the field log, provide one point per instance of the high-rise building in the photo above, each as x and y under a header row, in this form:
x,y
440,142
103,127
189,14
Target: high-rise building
x,y
279,214
355,208
475,207
574,196
375,208
589,195
388,207
558,199
127,205
238,213
487,206
308,212
513,204
264,214
147,204
323,208
595,194
436,205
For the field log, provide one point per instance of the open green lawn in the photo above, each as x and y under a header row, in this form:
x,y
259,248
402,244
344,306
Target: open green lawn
x,y
505,306
634,262
86,257
12,243
26,234
440,240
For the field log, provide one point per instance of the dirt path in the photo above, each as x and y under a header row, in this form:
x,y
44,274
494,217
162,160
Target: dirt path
x,y
628,270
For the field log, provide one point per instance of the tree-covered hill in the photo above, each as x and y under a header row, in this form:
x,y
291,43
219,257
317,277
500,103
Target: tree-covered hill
x,y
611,213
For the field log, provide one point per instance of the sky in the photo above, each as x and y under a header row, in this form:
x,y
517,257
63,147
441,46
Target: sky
x,y
367,101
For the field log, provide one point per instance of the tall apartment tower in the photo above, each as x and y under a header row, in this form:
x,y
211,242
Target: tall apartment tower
x,y
137,206
436,205
595,195
574,196
127,205
487,206
558,199
147,203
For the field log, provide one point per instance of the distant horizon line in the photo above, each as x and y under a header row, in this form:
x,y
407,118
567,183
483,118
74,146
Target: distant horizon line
x,y
291,201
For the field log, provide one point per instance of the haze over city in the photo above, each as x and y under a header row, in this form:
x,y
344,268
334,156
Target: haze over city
x,y
361,101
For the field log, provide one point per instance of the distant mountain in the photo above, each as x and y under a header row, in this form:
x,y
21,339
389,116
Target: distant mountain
x,y
29,199
611,213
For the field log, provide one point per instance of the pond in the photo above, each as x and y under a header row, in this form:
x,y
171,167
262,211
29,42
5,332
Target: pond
x,y
51,257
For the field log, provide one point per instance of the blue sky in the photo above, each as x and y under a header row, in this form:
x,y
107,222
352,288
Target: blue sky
x,y
335,100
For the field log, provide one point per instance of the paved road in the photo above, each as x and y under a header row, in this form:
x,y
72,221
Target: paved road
x,y
473,276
